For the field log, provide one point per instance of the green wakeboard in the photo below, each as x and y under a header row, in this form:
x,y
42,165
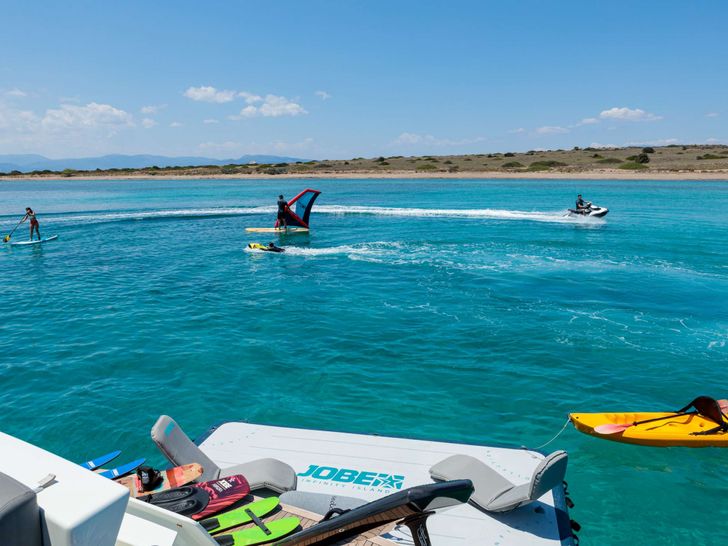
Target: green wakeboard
x,y
255,535
239,516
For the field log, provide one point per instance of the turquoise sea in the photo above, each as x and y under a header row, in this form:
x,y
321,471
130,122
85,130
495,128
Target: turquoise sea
x,y
463,310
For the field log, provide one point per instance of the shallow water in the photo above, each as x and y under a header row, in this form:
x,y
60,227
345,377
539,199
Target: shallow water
x,y
460,310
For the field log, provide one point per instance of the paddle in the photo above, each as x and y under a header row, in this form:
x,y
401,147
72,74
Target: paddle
x,y
7,237
613,428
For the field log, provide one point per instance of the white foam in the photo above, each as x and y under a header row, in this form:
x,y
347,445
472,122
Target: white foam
x,y
164,213
336,210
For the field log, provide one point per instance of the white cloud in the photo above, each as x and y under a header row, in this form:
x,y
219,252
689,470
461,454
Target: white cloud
x,y
713,140
176,124
148,123
92,115
152,108
517,131
209,94
551,130
599,145
655,142
323,95
231,148
210,121
588,121
712,115
628,114
409,139
273,106
15,92
66,129
250,98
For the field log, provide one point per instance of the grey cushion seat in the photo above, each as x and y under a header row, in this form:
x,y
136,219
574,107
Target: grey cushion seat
x,y
320,503
493,491
19,514
179,449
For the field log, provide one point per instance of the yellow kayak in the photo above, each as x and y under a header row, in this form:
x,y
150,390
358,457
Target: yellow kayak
x,y
669,429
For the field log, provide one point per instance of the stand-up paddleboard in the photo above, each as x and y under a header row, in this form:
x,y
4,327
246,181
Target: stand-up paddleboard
x,y
240,516
36,242
93,464
120,471
258,535
281,231
171,478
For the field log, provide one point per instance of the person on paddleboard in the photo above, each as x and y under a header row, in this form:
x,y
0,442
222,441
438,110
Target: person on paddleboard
x,y
282,207
30,215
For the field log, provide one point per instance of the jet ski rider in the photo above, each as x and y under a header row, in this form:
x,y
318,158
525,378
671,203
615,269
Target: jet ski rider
x,y
580,204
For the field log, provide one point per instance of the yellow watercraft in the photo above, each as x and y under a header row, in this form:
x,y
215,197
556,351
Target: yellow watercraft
x,y
706,427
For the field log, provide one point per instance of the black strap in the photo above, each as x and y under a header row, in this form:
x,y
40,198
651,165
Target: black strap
x,y
258,522
710,409
719,428
334,512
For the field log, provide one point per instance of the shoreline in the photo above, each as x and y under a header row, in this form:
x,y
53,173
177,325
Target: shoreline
x,y
716,176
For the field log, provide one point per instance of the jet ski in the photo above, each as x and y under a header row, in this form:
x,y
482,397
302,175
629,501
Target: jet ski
x,y
263,248
594,211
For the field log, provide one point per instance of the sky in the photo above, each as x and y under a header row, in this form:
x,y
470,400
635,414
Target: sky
x,y
348,78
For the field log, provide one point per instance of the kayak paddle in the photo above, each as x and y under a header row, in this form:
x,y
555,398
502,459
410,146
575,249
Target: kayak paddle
x,y
613,428
7,237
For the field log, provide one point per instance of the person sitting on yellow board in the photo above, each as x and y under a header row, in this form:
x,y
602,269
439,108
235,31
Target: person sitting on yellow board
x,y
282,208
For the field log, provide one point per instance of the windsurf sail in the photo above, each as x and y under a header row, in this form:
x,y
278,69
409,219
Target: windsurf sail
x,y
303,202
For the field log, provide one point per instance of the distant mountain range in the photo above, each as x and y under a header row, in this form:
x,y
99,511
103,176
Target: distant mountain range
x,y
31,162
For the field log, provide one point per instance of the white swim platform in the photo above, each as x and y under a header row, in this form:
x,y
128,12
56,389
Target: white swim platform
x,y
371,467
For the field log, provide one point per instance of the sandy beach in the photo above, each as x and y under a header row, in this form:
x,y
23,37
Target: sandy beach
x,y
606,174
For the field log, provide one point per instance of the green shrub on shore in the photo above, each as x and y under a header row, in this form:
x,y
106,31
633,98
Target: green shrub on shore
x,y
610,161
509,154
709,156
512,165
633,166
426,167
648,150
548,163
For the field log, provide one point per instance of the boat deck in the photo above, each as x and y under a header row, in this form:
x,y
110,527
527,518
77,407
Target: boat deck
x,y
371,467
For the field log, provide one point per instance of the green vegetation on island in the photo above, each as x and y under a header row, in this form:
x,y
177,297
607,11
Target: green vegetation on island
x,y
673,158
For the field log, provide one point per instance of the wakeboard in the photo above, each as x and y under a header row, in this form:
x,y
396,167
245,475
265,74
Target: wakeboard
x,y
239,516
272,530
171,478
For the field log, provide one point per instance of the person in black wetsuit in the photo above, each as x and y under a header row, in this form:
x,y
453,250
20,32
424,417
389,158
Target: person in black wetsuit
x,y
273,248
282,207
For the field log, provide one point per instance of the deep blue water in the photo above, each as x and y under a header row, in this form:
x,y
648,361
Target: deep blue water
x,y
450,309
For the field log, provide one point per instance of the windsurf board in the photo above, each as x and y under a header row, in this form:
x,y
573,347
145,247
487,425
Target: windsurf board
x,y
282,231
